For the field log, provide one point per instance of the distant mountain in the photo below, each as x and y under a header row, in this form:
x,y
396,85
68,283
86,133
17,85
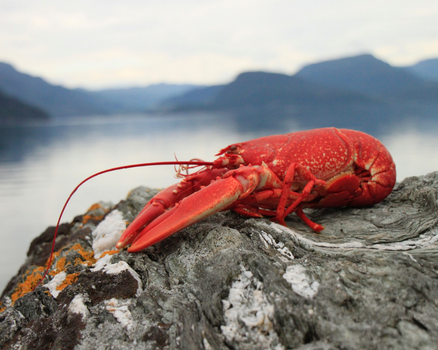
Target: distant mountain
x,y
262,89
427,69
358,92
56,100
372,77
13,111
195,99
60,101
330,92
140,99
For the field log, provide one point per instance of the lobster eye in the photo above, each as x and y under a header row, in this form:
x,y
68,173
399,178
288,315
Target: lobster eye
x,y
234,149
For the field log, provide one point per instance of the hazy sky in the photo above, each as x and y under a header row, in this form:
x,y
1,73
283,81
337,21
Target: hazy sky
x,y
105,43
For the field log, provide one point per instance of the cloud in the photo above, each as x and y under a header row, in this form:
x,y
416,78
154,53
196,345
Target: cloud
x,y
100,43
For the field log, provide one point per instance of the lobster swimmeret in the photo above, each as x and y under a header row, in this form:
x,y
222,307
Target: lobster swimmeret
x,y
271,176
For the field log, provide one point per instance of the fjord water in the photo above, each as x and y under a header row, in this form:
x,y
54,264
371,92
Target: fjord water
x,y
40,164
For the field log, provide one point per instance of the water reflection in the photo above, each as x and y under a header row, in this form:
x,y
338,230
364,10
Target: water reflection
x,y
414,148
41,164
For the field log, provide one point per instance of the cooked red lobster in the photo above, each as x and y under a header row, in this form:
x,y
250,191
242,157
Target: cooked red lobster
x,y
271,176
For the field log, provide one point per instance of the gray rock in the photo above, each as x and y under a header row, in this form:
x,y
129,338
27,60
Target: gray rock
x,y
368,281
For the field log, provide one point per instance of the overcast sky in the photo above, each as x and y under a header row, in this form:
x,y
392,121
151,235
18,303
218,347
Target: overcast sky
x,y
105,43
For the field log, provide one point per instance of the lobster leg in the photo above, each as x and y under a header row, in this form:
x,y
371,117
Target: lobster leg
x,y
282,212
288,180
314,226
304,195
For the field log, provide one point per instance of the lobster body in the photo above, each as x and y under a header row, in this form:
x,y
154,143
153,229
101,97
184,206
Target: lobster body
x,y
328,154
272,176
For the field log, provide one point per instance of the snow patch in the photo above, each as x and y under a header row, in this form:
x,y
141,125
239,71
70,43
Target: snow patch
x,y
247,311
55,282
120,310
77,306
296,276
108,233
104,265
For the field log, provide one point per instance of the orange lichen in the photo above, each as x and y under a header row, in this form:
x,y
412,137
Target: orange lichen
x,y
87,256
85,218
29,283
89,215
94,207
109,252
70,279
61,264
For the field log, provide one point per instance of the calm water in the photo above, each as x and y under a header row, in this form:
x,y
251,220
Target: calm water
x,y
41,164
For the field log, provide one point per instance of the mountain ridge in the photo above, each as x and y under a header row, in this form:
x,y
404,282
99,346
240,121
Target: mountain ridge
x,y
55,99
366,74
14,111
351,80
358,80
426,69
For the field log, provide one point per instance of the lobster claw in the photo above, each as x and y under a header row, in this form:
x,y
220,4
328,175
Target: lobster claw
x,y
152,210
211,199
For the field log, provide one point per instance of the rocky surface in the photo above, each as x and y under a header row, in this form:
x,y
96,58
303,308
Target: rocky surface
x,y
369,281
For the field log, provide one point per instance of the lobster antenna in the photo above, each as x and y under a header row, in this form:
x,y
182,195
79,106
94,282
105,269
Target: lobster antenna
x,y
191,162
